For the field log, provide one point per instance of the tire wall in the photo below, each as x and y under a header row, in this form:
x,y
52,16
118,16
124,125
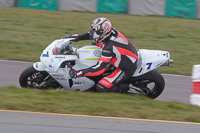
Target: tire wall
x,y
77,5
146,7
7,3
172,8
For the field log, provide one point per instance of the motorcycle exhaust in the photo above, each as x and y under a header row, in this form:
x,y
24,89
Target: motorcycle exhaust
x,y
170,61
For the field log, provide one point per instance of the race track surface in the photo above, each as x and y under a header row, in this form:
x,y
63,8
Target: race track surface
x,y
20,122
177,88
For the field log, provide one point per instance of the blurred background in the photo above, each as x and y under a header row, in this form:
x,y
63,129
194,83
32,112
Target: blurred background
x,y
28,26
178,8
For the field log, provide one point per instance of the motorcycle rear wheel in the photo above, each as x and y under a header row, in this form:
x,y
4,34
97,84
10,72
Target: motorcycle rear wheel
x,y
31,78
150,84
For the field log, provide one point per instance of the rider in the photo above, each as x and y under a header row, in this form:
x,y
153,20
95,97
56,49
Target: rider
x,y
116,50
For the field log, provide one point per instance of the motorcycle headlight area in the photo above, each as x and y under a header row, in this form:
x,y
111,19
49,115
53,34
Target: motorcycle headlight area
x,y
63,50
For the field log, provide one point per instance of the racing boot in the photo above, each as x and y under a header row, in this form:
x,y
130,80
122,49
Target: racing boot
x,y
121,88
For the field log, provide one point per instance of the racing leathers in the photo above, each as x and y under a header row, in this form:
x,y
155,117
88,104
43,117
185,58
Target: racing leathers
x,y
119,52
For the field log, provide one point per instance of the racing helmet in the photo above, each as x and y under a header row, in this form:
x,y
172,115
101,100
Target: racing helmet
x,y
100,29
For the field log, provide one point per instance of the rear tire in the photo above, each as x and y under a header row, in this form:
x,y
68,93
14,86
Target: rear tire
x,y
151,83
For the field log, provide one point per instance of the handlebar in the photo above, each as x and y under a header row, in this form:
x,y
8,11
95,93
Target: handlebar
x,y
69,66
72,39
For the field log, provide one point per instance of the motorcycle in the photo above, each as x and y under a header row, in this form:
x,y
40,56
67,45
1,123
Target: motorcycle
x,y
60,57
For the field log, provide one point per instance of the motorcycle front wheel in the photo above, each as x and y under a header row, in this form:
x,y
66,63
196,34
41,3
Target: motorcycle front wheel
x,y
31,78
150,84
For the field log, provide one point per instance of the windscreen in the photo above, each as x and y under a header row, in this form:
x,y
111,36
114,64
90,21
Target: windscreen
x,y
63,49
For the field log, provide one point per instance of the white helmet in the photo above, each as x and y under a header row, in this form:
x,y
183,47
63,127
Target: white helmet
x,y
100,29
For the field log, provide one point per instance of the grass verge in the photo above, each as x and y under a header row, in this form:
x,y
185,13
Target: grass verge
x,y
101,104
24,33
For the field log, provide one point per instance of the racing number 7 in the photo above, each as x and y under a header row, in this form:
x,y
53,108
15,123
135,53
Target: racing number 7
x,y
148,65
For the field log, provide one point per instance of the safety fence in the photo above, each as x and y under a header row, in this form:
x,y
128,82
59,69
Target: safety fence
x,y
172,8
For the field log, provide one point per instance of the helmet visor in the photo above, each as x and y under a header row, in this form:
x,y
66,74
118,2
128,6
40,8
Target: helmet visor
x,y
98,32
94,35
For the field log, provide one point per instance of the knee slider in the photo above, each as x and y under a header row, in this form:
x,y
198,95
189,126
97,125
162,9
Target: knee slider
x,y
101,88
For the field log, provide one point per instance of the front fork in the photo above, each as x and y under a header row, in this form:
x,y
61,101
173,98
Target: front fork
x,y
46,81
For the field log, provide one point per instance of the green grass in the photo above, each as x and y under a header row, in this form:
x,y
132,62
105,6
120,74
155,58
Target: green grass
x,y
24,33
101,104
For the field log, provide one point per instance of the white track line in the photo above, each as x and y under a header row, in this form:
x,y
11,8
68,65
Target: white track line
x,y
175,75
15,61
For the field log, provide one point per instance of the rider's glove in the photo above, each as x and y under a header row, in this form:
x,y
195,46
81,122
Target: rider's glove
x,y
74,74
75,36
99,44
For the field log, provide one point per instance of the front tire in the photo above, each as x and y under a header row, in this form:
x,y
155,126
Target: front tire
x,y
150,84
31,78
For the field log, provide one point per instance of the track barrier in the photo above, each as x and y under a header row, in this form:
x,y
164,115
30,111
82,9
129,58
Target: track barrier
x,y
195,93
172,8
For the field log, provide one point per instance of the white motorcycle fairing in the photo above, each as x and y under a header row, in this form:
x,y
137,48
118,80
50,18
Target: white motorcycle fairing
x,y
88,56
149,60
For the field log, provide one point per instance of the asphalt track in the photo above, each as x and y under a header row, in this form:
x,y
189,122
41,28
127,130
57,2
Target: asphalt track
x,y
30,122
177,87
